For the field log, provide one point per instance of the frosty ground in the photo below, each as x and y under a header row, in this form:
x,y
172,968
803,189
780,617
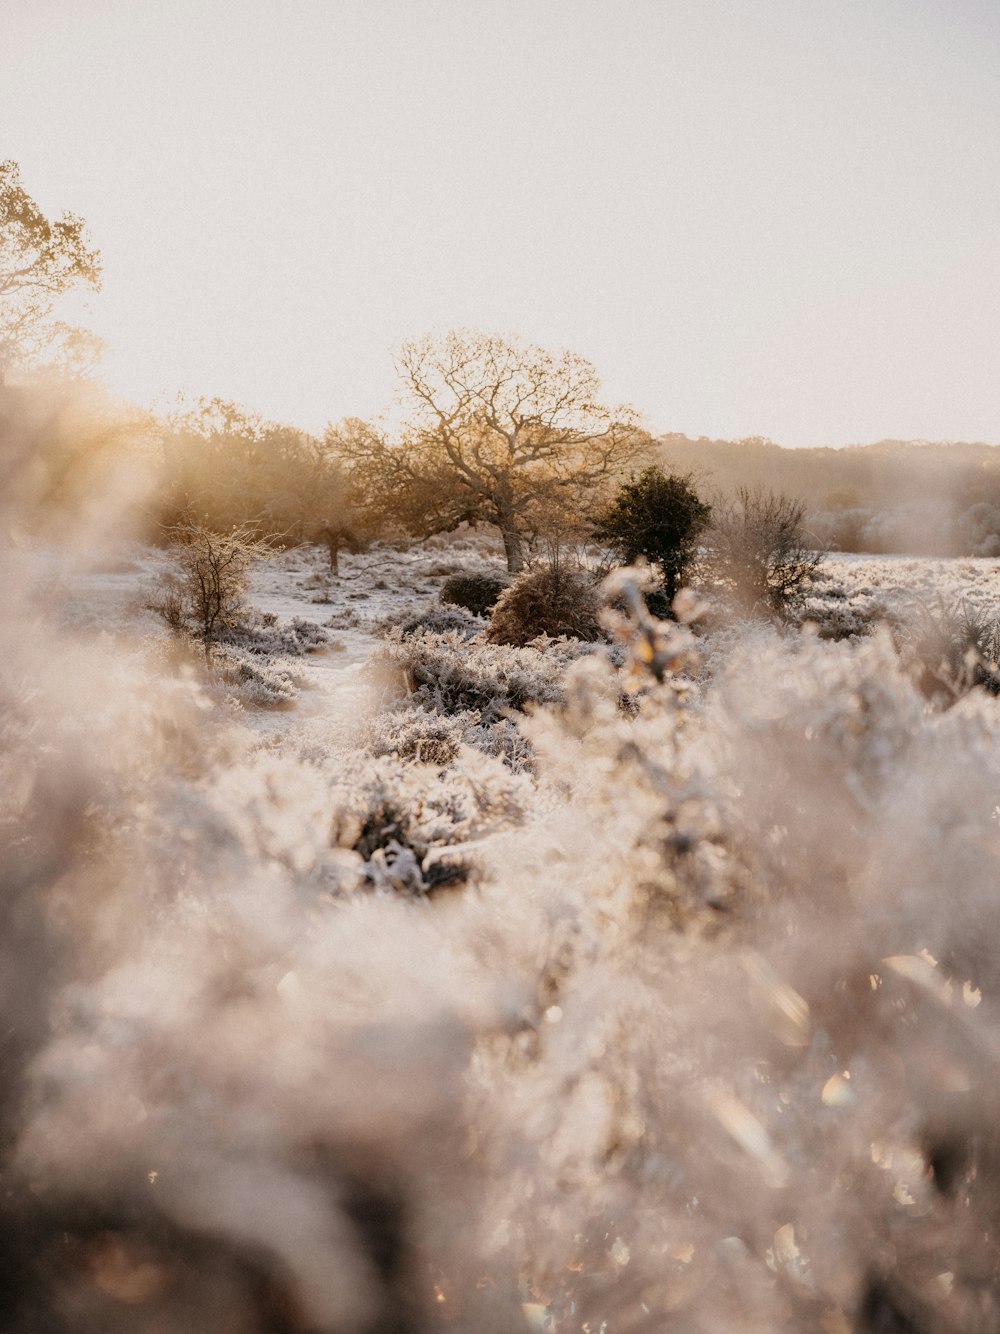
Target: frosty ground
x,y
622,1004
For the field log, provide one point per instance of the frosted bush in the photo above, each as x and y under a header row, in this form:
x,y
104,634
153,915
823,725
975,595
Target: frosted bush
x,y
255,679
433,618
555,600
703,1038
745,1053
446,674
347,618
412,828
950,649
426,737
416,734
264,633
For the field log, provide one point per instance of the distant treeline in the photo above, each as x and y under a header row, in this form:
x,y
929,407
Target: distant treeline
x,y
896,496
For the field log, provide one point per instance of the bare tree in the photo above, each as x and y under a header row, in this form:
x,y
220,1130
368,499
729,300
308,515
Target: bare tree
x,y
759,551
499,432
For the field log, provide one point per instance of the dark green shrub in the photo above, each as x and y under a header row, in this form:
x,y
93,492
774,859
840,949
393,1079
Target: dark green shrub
x,y
658,516
550,600
476,592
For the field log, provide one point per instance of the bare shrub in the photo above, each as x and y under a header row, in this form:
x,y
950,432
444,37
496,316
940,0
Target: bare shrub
x,y
759,551
168,602
551,600
214,573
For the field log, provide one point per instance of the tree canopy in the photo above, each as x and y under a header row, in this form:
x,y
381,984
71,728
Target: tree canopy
x,y
227,467
40,260
497,431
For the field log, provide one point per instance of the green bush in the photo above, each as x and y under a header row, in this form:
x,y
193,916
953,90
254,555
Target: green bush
x,y
476,592
658,516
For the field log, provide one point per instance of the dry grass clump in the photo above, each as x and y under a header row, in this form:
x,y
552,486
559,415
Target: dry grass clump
x,y
554,600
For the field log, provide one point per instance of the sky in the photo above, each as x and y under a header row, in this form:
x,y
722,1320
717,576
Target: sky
x,y
773,217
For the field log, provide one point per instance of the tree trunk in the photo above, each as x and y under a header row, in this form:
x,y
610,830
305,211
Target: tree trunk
x,y
513,547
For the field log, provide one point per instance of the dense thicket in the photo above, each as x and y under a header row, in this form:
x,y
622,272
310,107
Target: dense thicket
x,y
221,466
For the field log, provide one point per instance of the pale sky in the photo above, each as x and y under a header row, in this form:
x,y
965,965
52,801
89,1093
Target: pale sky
x,y
776,217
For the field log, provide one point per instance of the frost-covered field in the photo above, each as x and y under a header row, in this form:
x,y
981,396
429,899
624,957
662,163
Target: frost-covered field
x,y
868,587
485,989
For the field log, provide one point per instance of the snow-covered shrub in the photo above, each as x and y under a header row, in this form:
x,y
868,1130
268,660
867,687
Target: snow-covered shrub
x,y
416,734
347,618
754,1080
258,679
432,618
427,737
707,1042
475,590
950,648
447,674
834,617
263,633
411,827
554,600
